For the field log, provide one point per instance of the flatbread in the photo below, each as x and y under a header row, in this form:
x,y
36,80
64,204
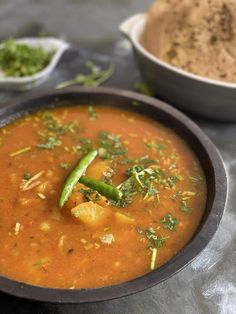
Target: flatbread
x,y
195,35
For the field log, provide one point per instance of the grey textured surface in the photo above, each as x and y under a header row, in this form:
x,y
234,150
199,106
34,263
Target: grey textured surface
x,y
207,285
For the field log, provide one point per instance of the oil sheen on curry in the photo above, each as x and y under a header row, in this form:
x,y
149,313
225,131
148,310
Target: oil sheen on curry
x,y
94,196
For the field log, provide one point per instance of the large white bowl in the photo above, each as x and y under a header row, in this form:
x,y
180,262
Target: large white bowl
x,y
192,93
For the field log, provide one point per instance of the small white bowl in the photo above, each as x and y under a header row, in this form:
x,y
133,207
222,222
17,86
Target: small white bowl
x,y
192,93
28,82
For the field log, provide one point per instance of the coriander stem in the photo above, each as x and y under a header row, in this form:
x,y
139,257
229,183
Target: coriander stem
x,y
66,84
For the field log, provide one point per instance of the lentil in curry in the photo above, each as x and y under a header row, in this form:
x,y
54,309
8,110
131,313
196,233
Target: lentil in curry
x,y
147,199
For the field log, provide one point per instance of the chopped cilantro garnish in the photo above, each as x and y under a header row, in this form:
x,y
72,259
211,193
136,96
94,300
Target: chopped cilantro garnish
x,y
126,161
18,59
90,195
169,222
150,233
176,195
86,145
185,208
172,166
111,145
156,146
139,182
54,129
143,88
92,113
135,103
53,124
159,146
195,179
120,151
133,170
41,262
155,242
152,192
172,180
50,143
64,165
103,153
140,230
27,176
148,145
141,160
145,160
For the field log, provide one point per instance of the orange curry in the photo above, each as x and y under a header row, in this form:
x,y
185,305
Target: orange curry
x,y
92,240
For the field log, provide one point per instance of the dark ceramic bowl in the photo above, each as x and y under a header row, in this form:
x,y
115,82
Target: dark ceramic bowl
x,y
204,149
192,93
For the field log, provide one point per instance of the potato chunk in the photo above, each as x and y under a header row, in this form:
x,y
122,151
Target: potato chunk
x,y
76,197
124,219
91,214
97,169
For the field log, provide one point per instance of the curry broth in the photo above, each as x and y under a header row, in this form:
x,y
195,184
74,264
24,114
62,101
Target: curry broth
x,y
44,245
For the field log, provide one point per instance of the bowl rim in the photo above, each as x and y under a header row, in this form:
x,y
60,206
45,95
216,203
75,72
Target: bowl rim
x,y
187,254
134,34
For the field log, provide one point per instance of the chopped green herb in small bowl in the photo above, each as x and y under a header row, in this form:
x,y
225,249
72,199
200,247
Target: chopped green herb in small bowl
x,y
27,62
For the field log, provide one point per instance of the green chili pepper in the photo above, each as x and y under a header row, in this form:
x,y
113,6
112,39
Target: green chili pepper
x,y
103,188
75,175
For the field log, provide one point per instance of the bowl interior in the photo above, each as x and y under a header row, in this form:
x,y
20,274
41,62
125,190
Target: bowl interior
x,y
170,117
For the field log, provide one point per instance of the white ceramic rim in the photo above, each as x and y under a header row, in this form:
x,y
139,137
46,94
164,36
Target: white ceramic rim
x,y
134,35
